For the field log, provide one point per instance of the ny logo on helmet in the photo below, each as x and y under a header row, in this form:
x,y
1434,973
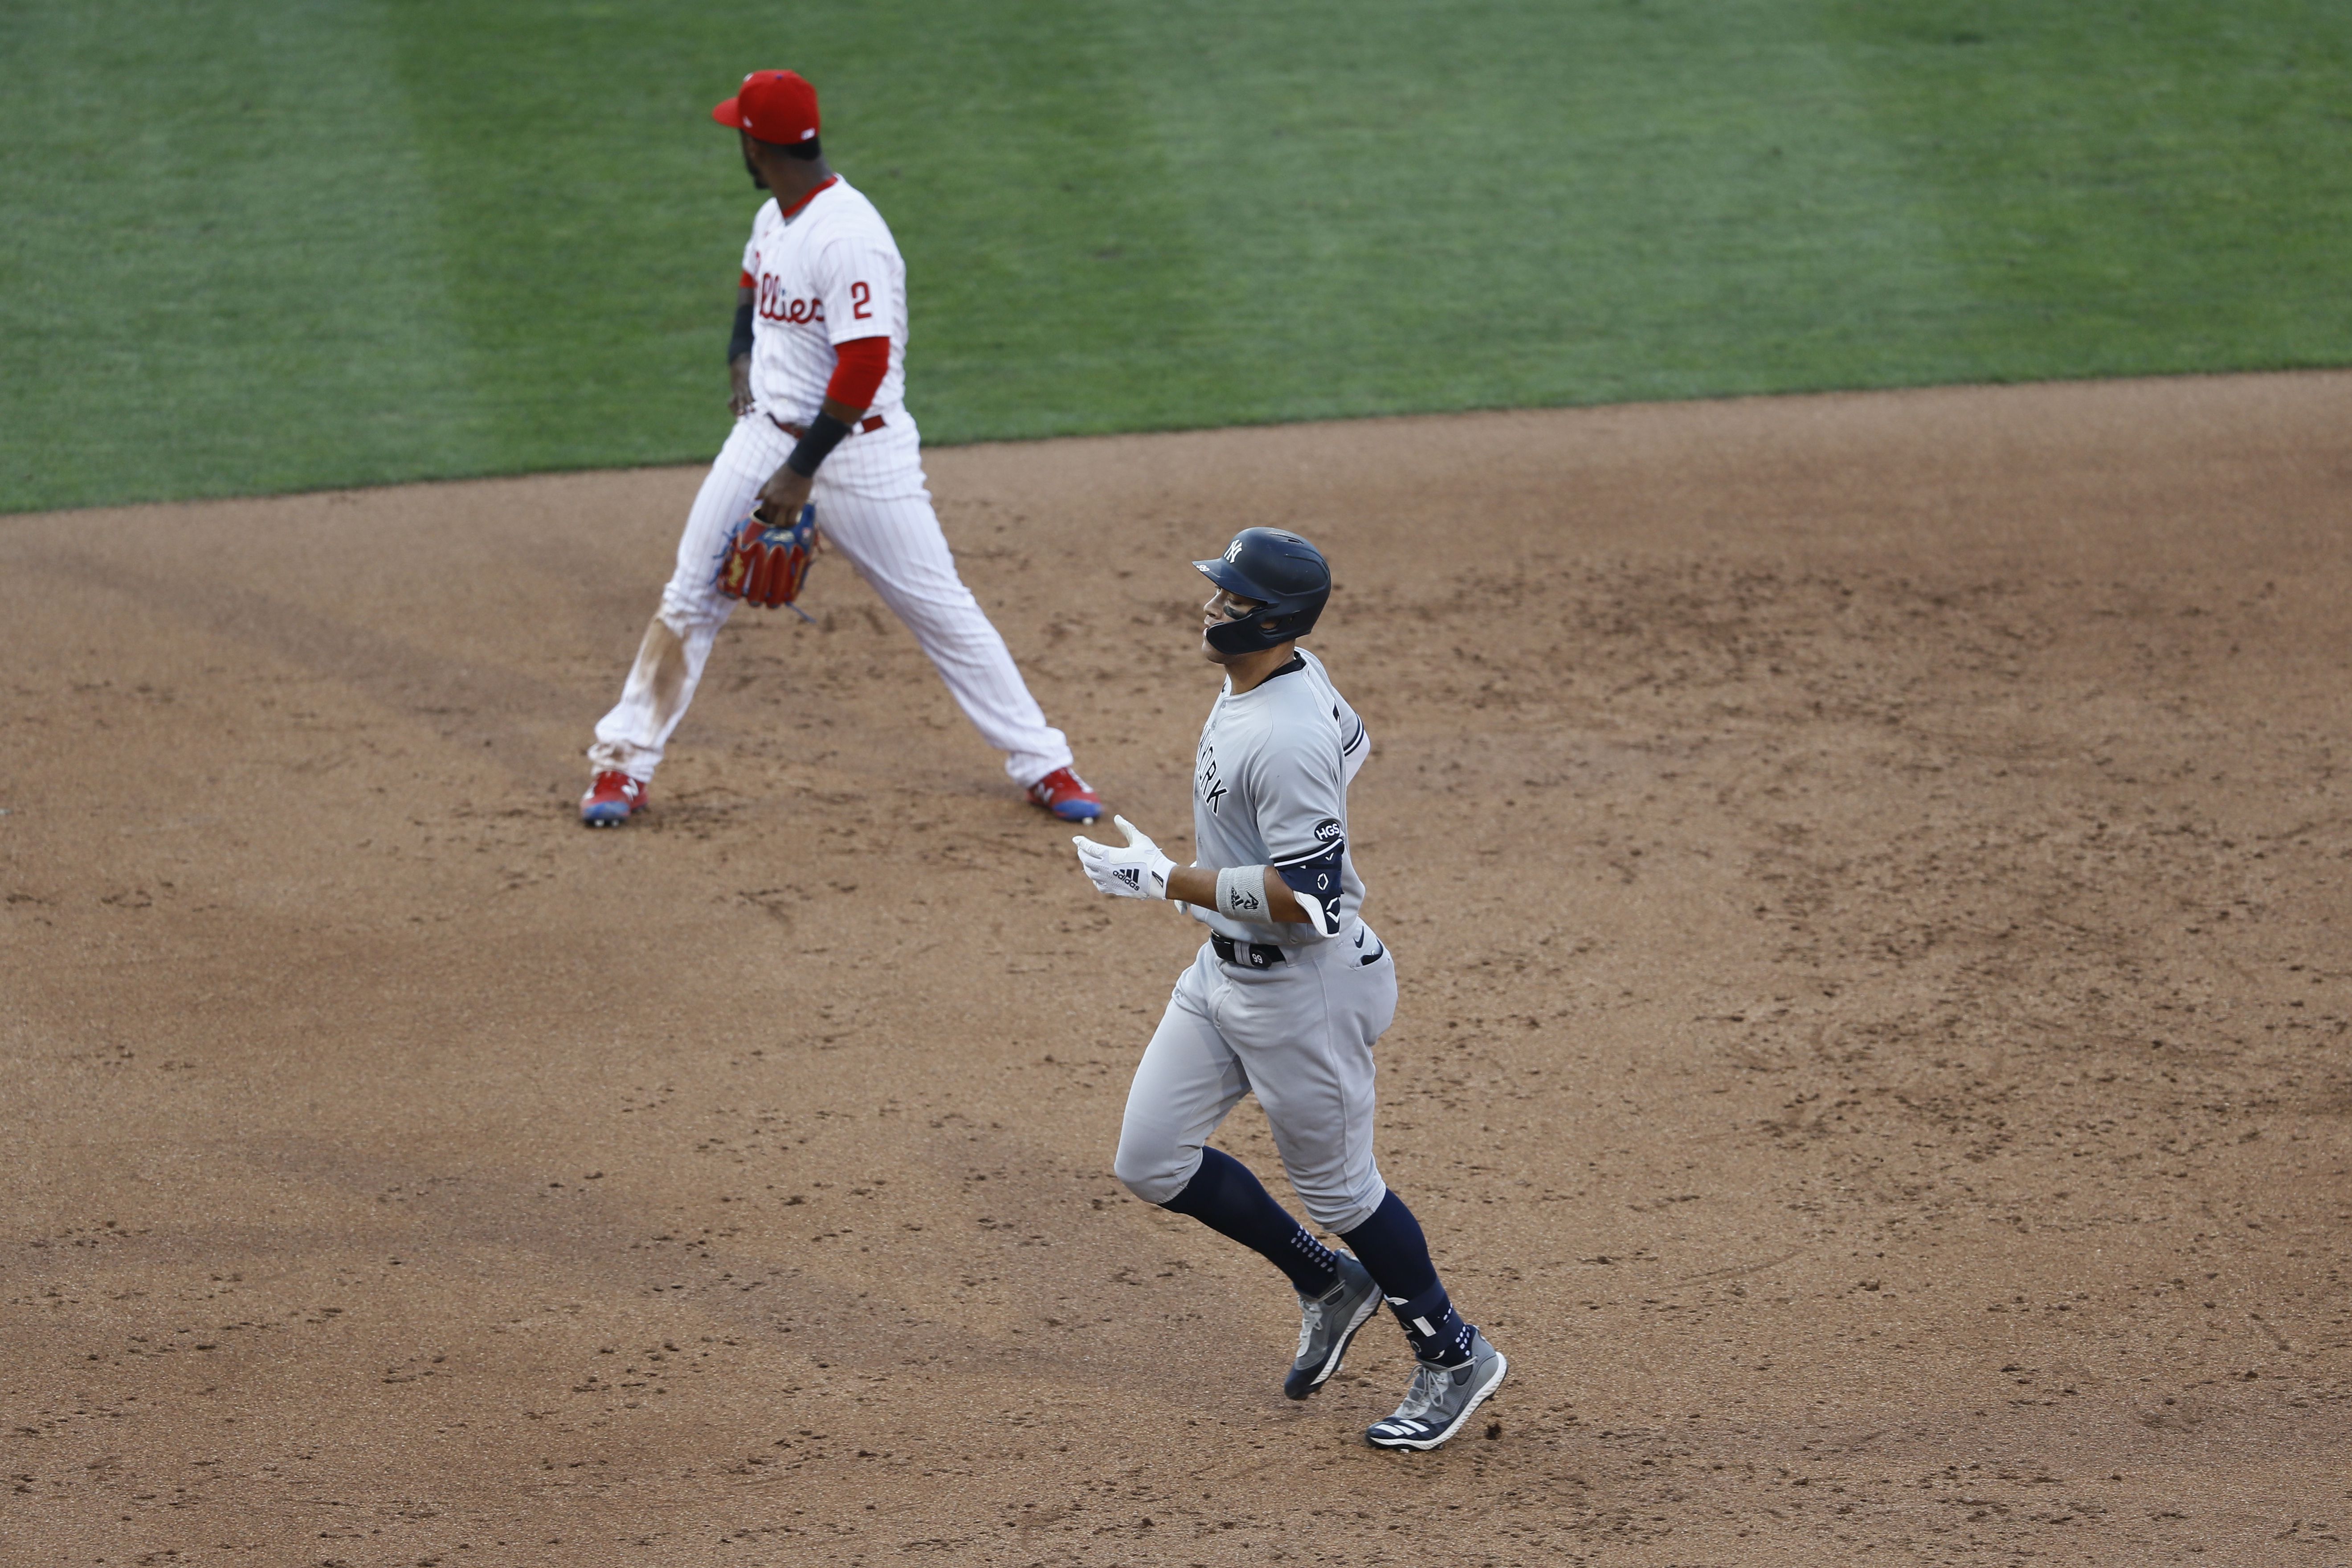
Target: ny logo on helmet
x,y
1234,551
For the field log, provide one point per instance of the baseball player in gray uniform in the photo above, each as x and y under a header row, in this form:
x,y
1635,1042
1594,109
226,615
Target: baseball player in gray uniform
x,y
1286,999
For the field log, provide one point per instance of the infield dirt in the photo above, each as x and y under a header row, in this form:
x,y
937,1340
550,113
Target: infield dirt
x,y
1868,880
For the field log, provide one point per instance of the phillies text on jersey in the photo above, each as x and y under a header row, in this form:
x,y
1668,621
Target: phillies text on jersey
x,y
828,274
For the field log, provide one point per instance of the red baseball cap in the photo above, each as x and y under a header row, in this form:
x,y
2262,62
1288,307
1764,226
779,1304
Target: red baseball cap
x,y
774,106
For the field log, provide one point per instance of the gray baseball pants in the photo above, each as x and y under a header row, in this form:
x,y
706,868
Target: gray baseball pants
x,y
1299,1035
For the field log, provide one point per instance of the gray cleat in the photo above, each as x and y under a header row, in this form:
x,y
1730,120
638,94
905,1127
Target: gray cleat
x,y
1326,1324
1440,1399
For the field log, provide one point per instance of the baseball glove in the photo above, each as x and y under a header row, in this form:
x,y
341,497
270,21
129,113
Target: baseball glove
x,y
766,564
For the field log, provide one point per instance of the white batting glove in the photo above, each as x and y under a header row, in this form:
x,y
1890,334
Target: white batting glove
x,y
1138,871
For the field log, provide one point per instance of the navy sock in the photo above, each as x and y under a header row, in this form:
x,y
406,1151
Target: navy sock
x,y
1391,1245
1223,1195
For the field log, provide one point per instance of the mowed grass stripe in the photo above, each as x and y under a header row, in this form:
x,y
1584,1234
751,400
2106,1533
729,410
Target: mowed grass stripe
x,y
2129,188
221,272
342,243
1057,283
1003,143
591,217
1540,204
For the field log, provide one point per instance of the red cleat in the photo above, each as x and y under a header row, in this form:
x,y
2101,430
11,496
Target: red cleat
x,y
1066,795
612,800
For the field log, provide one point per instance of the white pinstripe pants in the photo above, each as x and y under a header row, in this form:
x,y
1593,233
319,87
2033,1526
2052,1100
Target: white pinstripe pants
x,y
873,506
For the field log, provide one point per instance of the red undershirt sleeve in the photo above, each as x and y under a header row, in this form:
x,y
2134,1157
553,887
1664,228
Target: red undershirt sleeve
x,y
858,369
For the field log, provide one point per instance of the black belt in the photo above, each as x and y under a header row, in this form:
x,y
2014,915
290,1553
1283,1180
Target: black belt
x,y
1255,955
872,422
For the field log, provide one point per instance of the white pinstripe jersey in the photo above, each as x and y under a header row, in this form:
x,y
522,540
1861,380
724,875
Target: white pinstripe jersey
x,y
827,274
1270,788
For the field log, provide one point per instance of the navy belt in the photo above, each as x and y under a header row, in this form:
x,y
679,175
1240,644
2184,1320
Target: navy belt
x,y
1253,954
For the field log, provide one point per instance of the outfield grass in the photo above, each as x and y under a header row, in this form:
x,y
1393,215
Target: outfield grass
x,y
277,244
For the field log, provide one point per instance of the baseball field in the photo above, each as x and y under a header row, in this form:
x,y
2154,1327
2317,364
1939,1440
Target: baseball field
x,y
1865,866
286,245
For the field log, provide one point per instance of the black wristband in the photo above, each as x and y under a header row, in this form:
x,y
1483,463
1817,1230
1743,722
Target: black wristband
x,y
741,344
824,433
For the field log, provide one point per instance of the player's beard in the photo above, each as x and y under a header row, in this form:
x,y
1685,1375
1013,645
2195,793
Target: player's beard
x,y
759,181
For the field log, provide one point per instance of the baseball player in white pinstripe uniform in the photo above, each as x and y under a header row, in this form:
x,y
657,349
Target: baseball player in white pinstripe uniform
x,y
818,362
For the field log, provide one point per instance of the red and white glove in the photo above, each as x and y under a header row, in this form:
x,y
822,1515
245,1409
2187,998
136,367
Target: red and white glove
x,y
767,563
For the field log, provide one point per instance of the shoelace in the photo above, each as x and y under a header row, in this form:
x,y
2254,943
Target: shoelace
x,y
1428,1384
1310,1318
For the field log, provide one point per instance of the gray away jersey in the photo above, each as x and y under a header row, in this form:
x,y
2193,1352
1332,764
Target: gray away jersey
x,y
1270,788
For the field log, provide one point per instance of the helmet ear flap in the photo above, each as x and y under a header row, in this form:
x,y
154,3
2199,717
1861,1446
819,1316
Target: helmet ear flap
x,y
1252,634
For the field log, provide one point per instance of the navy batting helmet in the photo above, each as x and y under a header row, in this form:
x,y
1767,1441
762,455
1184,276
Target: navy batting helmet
x,y
1287,575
